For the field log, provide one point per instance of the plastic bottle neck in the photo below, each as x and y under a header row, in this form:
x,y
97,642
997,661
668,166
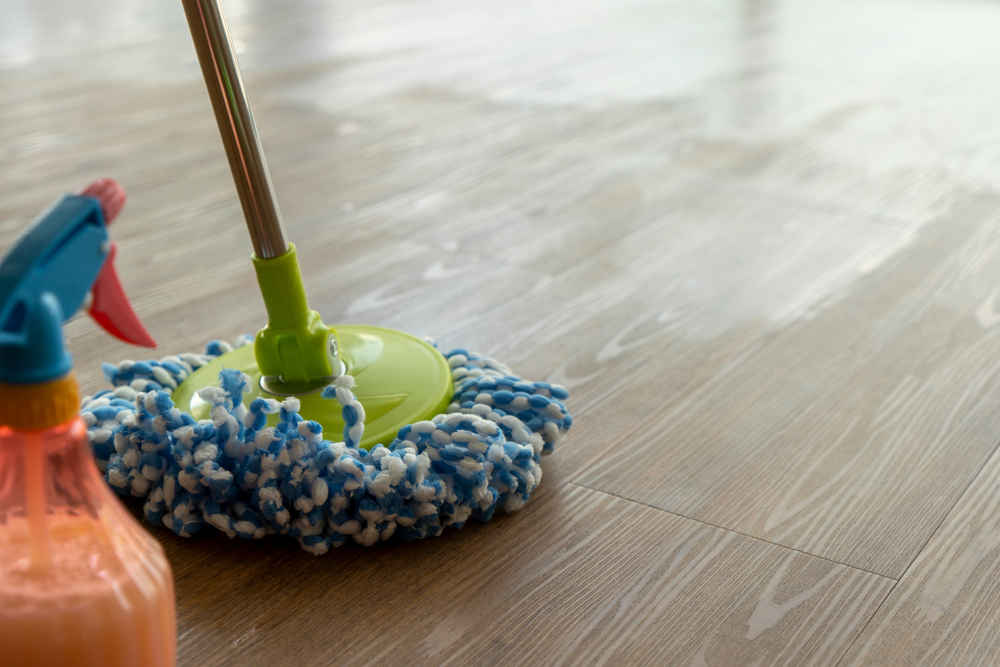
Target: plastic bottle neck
x,y
36,407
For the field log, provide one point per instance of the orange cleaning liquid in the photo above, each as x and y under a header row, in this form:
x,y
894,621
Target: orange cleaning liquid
x,y
81,582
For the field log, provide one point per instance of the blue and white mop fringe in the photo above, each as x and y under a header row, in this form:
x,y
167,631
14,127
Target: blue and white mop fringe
x,y
245,479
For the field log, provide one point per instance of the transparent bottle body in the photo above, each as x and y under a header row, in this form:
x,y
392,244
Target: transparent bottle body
x,y
81,582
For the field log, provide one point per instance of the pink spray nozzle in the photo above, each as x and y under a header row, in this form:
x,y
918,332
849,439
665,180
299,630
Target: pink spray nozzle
x,y
110,194
110,306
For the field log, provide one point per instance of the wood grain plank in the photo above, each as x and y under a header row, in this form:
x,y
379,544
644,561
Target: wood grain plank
x,y
851,433
579,578
704,281
944,611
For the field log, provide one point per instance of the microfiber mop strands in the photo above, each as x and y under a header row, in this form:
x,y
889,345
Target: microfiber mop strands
x,y
244,478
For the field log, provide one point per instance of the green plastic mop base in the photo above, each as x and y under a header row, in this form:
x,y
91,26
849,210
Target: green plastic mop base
x,y
399,379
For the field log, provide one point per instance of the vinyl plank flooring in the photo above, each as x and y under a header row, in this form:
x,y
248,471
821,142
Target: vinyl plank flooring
x,y
945,610
579,578
690,295
546,191
850,433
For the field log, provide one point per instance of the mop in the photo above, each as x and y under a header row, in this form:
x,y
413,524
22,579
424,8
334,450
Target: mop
x,y
234,437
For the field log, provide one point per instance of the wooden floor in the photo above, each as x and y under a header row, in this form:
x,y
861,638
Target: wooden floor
x,y
758,240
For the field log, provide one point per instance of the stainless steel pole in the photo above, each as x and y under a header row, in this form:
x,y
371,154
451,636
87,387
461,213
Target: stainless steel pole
x,y
239,134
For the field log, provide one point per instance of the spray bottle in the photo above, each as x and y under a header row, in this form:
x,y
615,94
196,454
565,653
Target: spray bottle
x,y
81,582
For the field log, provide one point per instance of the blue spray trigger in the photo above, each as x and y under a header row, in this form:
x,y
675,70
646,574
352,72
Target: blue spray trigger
x,y
44,280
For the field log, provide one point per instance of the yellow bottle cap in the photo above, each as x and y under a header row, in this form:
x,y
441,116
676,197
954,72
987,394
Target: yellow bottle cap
x,y
36,407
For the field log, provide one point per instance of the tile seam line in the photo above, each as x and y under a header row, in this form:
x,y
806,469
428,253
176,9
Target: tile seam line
x,y
916,556
735,532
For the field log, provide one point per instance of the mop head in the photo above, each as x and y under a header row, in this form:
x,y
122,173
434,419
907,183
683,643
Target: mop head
x,y
236,474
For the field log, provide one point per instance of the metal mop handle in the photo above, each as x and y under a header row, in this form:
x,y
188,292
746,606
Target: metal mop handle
x,y
295,347
239,134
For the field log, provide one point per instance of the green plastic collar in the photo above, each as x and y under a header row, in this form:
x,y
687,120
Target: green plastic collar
x,y
295,346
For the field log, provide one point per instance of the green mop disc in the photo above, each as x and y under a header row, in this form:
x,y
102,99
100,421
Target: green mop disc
x,y
400,380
